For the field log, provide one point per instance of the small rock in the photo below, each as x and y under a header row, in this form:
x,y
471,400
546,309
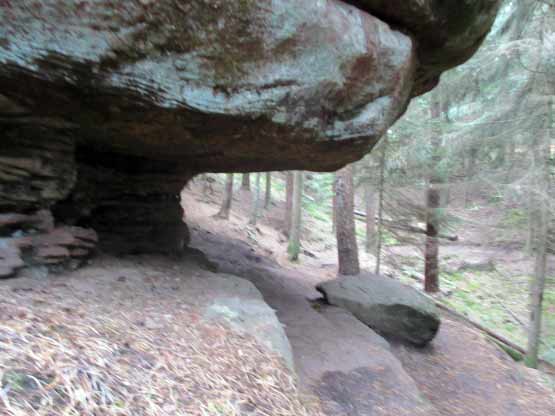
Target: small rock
x,y
479,265
152,324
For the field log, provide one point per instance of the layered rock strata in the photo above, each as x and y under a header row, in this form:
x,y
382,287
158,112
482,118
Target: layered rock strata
x,y
108,108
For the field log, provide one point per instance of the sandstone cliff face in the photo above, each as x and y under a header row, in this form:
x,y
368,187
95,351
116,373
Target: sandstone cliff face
x,y
107,108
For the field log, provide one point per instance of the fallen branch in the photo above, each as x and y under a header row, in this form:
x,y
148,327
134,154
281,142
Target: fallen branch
x,y
359,215
416,230
407,228
479,326
500,339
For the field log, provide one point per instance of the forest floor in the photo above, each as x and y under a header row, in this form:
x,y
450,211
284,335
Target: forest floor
x,y
128,337
461,373
485,274
123,336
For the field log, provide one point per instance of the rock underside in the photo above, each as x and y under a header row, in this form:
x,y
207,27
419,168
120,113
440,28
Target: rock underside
x,y
108,108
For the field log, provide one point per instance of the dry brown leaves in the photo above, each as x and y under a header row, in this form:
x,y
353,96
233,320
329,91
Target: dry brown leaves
x,y
62,361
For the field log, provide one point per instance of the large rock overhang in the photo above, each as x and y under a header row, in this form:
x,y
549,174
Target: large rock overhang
x,y
218,85
230,85
108,107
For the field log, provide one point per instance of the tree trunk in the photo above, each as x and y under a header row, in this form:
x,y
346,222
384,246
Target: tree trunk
x,y
532,223
431,273
541,220
433,199
256,201
536,293
381,187
334,209
470,173
268,194
294,247
228,198
347,248
289,185
509,158
370,217
246,182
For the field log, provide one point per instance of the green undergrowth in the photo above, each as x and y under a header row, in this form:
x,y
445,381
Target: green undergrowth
x,y
515,218
501,304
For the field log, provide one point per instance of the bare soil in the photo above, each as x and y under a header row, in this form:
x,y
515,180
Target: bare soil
x,y
127,337
124,337
461,373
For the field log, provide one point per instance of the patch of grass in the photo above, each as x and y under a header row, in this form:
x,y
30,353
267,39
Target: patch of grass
x,y
487,297
515,218
452,276
514,354
472,296
495,198
317,212
389,239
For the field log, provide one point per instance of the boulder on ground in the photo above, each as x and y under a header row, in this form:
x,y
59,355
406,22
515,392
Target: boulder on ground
x,y
386,305
477,265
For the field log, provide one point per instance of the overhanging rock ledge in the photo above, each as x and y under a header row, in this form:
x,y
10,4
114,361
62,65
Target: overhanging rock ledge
x,y
108,108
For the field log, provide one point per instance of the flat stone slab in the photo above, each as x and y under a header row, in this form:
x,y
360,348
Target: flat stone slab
x,y
249,314
338,359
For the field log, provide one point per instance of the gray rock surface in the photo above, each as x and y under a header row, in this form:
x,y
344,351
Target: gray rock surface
x,y
386,305
108,108
478,265
348,366
313,83
316,82
244,309
448,32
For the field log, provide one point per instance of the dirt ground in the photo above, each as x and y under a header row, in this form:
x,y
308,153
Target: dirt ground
x,y
461,373
126,333
128,337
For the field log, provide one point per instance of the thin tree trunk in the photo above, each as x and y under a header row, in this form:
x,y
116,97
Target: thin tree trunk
x,y
534,210
246,182
228,198
532,227
256,201
470,173
431,272
381,187
542,154
289,185
334,208
294,247
268,194
509,159
433,199
347,248
370,217
536,292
